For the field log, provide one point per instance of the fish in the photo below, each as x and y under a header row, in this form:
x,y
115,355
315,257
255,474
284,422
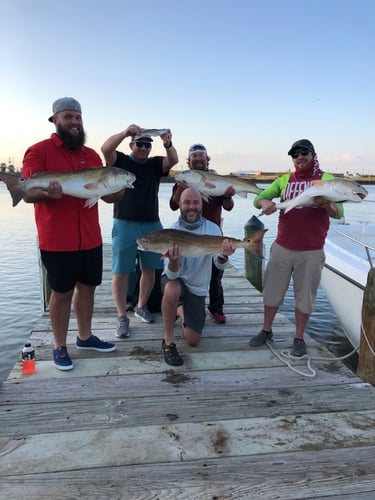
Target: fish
x,y
88,183
154,131
211,184
339,190
196,245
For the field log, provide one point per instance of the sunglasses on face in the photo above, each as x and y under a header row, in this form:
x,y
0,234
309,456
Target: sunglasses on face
x,y
302,152
141,144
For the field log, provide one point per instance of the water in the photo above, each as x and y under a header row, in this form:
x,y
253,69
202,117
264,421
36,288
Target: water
x,y
19,267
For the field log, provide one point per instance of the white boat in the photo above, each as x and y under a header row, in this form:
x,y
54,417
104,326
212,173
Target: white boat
x,y
350,254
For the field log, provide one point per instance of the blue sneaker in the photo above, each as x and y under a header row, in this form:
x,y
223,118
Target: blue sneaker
x,y
93,343
61,359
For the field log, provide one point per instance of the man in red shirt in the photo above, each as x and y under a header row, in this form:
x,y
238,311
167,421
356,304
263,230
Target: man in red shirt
x,y
69,234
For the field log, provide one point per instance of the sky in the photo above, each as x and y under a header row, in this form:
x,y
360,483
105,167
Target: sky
x,y
244,77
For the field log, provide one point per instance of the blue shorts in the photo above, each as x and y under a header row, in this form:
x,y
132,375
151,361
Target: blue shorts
x,y
125,250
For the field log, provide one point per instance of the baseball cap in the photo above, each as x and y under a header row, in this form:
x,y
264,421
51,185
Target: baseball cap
x,y
65,104
197,148
142,136
302,143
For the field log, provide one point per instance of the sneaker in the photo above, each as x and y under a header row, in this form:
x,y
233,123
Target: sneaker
x,y
171,356
219,317
144,314
61,359
93,343
123,327
299,348
261,338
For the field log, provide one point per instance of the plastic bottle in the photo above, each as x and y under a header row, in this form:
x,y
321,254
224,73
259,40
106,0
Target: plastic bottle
x,y
28,359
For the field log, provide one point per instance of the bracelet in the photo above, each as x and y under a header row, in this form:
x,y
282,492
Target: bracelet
x,y
222,259
169,146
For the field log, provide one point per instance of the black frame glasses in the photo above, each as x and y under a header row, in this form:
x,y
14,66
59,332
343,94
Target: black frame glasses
x,y
141,144
302,152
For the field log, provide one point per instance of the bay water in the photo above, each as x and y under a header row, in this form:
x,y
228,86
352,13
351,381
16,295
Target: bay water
x,y
21,303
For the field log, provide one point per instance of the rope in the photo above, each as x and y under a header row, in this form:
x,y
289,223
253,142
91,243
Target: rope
x,y
285,356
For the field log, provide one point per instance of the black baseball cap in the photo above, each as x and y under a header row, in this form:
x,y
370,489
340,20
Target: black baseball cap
x,y
302,143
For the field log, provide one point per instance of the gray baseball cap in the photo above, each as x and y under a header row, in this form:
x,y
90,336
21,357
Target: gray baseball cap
x,y
65,104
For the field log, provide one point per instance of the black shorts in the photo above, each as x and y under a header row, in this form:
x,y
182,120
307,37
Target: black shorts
x,y
65,269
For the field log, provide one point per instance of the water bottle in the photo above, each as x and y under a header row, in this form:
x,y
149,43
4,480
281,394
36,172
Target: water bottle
x,y
28,359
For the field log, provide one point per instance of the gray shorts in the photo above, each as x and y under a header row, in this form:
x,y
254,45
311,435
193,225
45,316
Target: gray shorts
x,y
194,306
305,266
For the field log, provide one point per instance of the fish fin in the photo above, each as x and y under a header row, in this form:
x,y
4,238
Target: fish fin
x,y
12,183
91,186
205,197
209,185
286,210
90,202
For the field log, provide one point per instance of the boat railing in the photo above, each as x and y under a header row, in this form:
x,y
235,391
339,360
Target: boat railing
x,y
368,249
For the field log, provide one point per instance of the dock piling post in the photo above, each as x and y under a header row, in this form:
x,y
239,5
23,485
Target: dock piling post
x,y
366,362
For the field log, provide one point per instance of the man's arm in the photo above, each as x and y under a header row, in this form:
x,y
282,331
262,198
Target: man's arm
x,y
111,144
172,157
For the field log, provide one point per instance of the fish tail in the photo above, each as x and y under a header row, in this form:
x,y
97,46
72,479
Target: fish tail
x,y
12,182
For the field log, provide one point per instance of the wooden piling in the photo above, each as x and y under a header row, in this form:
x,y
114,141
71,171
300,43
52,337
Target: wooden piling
x,y
366,365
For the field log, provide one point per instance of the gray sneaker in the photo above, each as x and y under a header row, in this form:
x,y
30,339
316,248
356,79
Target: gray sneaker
x,y
261,338
144,314
122,327
299,348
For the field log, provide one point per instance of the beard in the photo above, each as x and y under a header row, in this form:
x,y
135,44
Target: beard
x,y
71,141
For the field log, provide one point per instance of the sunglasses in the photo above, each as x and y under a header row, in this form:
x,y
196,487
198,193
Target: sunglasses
x,y
141,144
302,152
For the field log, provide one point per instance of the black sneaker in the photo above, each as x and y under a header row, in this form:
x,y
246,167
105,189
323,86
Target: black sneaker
x,y
261,338
171,356
299,348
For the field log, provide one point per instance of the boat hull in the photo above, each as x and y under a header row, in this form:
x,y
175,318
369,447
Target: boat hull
x,y
345,273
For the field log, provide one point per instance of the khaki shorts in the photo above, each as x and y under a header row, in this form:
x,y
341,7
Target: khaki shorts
x,y
304,266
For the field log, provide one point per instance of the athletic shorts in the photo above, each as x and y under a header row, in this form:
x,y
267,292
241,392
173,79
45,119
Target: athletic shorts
x,y
65,269
124,246
305,266
194,306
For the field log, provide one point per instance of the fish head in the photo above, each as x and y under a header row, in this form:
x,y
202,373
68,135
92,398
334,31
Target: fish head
x,y
254,242
359,191
351,190
193,178
149,240
118,177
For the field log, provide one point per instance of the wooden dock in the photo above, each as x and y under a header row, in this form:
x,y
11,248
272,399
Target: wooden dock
x,y
233,423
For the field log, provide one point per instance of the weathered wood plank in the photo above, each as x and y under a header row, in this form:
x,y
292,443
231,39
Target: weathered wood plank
x,y
185,441
163,409
70,387
320,474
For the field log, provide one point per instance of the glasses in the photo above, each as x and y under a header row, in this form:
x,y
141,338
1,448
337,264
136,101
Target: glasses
x,y
141,144
302,152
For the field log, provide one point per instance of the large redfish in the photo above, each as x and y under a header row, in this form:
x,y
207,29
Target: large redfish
x,y
339,190
196,245
210,184
87,183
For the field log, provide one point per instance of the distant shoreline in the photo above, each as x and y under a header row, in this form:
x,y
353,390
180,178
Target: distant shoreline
x,y
268,178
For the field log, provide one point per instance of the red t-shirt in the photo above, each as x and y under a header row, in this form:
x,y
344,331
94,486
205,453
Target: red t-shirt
x,y
63,225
